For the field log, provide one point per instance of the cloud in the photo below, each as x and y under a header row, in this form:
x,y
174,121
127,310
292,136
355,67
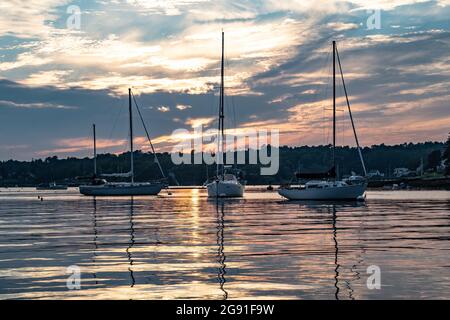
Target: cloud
x,y
77,145
339,6
185,62
28,19
163,109
183,107
14,147
340,26
170,8
36,105
53,78
277,72
194,123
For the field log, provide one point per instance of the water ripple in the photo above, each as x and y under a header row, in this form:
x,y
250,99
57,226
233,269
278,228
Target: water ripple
x,y
185,246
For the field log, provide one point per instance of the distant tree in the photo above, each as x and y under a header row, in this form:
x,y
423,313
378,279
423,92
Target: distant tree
x,y
446,156
308,159
434,159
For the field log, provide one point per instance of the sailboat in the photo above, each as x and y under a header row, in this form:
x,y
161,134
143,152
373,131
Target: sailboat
x,y
100,187
225,184
325,186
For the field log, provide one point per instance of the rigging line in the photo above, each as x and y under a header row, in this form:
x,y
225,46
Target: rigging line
x,y
92,137
328,80
317,91
233,104
324,67
343,123
148,136
351,115
119,113
327,84
216,106
213,110
341,118
233,108
318,94
343,131
235,128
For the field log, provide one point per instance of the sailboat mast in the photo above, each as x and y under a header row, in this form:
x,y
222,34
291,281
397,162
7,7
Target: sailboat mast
x,y
222,101
221,138
95,151
334,104
130,108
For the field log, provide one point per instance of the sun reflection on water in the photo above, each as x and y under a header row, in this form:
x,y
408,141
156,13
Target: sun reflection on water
x,y
185,246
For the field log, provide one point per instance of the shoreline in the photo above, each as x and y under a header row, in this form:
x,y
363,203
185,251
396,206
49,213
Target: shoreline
x,y
442,183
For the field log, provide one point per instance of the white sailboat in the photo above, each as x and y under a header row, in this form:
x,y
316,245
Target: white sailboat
x,y
225,184
325,186
100,187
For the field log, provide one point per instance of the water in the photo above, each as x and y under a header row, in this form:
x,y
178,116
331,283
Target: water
x,y
183,246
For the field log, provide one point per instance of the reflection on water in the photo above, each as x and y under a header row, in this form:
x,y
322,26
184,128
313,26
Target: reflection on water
x,y
336,250
132,241
185,246
94,254
221,244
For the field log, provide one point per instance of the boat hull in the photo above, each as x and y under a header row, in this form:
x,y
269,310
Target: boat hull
x,y
349,192
224,189
122,190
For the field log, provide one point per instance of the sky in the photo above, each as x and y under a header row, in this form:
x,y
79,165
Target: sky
x,y
58,76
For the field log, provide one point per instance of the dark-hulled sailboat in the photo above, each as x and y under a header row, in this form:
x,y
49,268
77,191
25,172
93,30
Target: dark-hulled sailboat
x,y
325,186
100,187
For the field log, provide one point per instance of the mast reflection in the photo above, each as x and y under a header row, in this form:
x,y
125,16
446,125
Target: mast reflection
x,y
356,277
336,252
339,272
221,257
131,244
94,253
360,260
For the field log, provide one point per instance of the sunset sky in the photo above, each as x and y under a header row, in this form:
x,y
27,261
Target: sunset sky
x,y
56,81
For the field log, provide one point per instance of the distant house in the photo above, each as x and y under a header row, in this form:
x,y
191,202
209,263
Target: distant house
x,y
441,167
420,169
401,172
375,174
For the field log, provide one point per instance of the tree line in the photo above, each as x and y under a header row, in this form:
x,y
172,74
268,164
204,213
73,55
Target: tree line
x,y
382,157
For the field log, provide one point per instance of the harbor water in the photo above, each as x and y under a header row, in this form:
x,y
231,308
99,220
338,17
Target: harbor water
x,y
181,245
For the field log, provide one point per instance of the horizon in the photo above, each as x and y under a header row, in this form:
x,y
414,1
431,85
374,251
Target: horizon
x,y
63,69
247,149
